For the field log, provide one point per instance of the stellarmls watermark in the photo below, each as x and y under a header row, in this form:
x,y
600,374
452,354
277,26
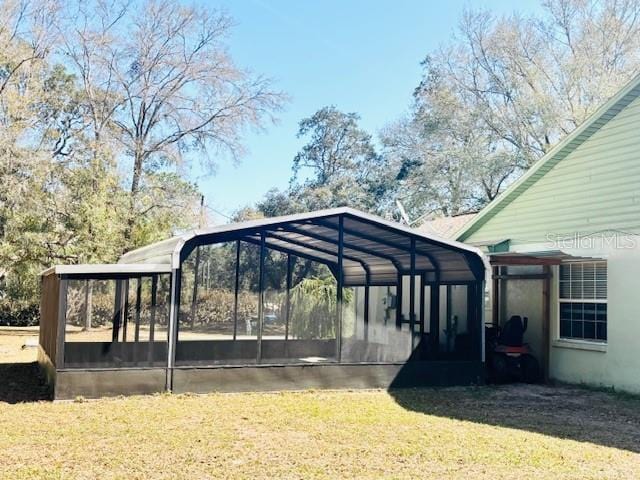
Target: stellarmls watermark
x,y
609,239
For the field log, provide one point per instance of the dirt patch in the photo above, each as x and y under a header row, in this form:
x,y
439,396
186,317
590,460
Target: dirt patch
x,y
12,346
569,412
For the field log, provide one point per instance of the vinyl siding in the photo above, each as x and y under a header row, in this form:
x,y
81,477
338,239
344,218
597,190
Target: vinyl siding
x,y
596,187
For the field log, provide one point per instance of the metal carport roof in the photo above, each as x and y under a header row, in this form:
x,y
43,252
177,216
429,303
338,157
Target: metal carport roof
x,y
372,247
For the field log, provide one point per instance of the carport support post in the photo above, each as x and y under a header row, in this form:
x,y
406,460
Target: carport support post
x,y
62,322
339,293
481,320
261,296
287,307
117,311
125,308
174,313
475,297
88,303
546,314
194,296
495,294
412,293
366,305
422,286
399,295
136,336
152,317
235,291
434,317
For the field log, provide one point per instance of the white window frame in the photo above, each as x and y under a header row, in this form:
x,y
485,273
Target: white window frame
x,y
560,340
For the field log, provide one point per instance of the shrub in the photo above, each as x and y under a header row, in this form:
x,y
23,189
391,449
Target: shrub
x,y
19,314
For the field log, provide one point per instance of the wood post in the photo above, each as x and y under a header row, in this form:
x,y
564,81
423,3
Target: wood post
x,y
495,297
546,318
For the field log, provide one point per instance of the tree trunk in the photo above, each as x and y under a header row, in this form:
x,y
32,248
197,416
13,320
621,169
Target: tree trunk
x,y
88,304
135,188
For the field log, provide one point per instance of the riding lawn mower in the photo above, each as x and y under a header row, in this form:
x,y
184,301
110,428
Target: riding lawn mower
x,y
508,357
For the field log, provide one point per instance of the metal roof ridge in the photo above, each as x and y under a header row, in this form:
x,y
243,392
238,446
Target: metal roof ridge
x,y
180,239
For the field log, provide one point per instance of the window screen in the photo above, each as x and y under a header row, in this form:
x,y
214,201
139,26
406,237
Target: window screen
x,y
117,323
583,301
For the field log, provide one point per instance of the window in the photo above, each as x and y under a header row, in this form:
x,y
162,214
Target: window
x,y
583,301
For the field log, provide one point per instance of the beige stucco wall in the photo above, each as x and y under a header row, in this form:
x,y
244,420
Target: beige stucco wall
x,y
618,366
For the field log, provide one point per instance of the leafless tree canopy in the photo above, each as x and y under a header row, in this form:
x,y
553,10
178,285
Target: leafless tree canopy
x,y
161,82
104,106
503,92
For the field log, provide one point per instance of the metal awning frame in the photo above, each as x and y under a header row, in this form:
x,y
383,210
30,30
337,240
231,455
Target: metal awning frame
x,y
317,239
326,239
359,249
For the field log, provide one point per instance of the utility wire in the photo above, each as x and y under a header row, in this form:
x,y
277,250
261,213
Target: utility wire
x,y
218,212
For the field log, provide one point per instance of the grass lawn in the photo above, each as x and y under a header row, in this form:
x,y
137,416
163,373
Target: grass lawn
x,y
472,433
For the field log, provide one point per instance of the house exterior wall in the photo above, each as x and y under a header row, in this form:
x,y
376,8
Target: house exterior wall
x,y
617,364
586,205
594,188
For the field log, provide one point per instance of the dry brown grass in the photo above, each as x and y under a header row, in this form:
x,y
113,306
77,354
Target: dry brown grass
x,y
440,433
492,433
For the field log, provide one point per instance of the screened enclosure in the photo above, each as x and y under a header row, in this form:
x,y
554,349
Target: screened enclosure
x,y
230,313
329,288
116,322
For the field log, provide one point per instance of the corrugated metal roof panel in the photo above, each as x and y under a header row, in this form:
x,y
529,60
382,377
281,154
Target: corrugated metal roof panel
x,y
370,243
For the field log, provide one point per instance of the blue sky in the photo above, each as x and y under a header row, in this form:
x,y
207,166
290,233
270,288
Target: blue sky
x,y
361,56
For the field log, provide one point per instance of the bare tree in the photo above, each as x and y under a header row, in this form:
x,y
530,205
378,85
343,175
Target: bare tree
x,y
26,35
503,92
446,161
534,79
86,32
160,77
